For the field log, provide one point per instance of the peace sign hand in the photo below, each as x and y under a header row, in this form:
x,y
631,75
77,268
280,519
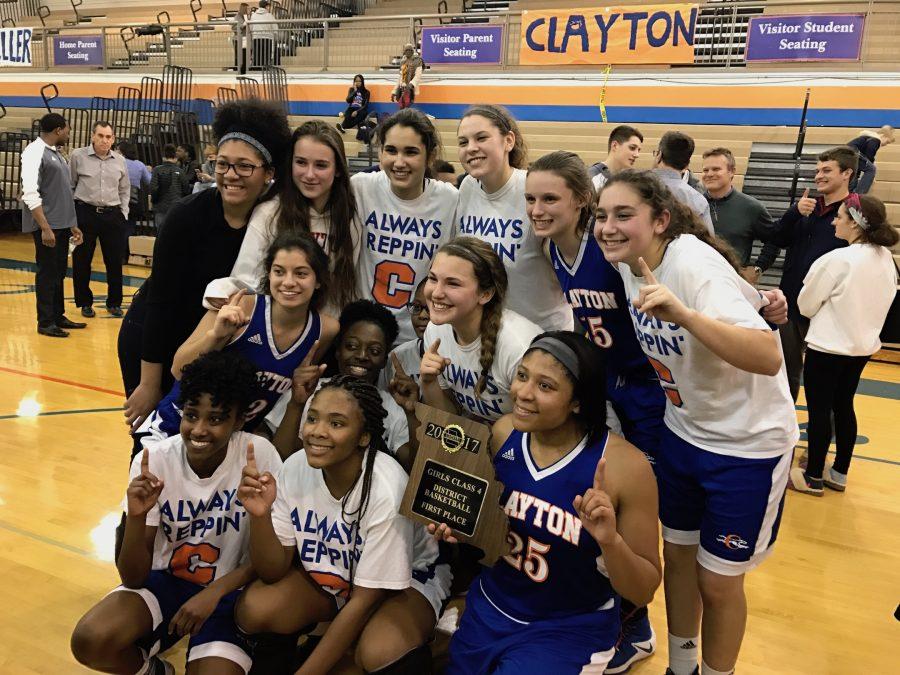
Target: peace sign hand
x,y
402,387
144,490
657,301
231,318
433,364
306,377
256,492
595,509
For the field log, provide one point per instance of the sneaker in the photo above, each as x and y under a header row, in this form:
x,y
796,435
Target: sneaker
x,y
800,482
804,460
637,642
160,666
88,312
834,480
695,671
340,128
115,311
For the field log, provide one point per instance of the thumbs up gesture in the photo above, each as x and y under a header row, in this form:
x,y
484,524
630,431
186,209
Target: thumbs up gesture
x,y
144,490
402,387
231,318
595,509
256,492
807,204
657,301
433,364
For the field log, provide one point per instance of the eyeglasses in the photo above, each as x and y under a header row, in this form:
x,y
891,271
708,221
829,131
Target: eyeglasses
x,y
242,169
417,308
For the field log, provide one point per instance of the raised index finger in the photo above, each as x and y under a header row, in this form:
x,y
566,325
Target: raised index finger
x,y
145,462
236,298
646,272
251,456
600,474
434,347
398,367
310,355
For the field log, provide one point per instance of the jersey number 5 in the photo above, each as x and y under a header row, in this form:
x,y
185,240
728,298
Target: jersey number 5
x,y
194,562
532,562
388,275
599,334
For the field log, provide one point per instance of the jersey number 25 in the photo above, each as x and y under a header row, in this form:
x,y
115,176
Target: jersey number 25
x,y
528,557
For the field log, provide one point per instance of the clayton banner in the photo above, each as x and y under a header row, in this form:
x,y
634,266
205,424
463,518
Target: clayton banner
x,y
603,35
801,37
15,46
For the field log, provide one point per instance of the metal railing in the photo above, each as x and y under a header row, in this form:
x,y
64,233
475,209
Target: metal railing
x,y
337,42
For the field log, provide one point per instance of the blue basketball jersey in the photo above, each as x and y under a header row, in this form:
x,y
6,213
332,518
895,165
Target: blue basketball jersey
x,y
554,568
595,292
273,368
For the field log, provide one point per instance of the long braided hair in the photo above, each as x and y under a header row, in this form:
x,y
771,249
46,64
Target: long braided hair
x,y
491,276
368,399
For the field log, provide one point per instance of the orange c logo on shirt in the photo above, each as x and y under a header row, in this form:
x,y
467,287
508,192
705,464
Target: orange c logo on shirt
x,y
194,562
390,273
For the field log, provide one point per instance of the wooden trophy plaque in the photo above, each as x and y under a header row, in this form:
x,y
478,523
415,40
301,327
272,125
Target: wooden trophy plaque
x,y
452,481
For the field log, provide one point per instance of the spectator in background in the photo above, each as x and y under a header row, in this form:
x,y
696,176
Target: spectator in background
x,y
670,160
623,149
187,158
806,231
846,295
168,184
48,213
443,170
409,80
139,177
206,177
737,218
102,195
240,37
867,145
358,105
262,33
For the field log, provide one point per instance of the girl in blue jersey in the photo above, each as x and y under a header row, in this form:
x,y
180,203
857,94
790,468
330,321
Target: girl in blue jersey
x,y
275,330
730,430
583,530
559,202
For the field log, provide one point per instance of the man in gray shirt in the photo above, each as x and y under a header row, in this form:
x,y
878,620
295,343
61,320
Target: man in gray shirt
x,y
102,193
738,218
670,160
48,213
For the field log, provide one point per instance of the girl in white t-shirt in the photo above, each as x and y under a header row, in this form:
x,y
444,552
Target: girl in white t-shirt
x,y
364,567
318,200
730,426
846,294
474,343
406,214
492,208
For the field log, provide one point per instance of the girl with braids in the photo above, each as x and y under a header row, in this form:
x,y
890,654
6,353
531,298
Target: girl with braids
x,y
200,243
847,295
406,214
492,208
474,343
276,330
583,531
730,427
316,200
559,202
365,568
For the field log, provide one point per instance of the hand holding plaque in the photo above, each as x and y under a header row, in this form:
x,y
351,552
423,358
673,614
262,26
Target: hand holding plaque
x,y
452,482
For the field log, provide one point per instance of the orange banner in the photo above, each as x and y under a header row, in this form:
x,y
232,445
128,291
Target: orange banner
x,y
630,34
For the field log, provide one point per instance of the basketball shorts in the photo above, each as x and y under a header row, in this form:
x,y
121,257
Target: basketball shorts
x,y
164,595
640,404
730,506
490,641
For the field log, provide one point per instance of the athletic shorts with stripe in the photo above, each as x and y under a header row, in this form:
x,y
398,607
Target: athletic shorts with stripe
x,y
730,506
164,595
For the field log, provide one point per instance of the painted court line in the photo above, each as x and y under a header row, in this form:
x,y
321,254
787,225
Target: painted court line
x,y
50,413
46,540
59,380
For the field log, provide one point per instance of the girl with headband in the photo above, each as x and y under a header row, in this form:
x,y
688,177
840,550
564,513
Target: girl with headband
x,y
846,295
730,427
583,531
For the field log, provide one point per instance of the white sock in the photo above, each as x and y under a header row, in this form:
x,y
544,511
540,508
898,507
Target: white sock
x,y
683,654
706,670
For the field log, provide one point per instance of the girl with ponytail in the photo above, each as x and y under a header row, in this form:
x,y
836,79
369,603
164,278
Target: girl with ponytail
x,y
335,506
473,342
730,428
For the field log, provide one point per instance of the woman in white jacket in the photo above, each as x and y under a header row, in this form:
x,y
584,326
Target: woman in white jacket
x,y
846,295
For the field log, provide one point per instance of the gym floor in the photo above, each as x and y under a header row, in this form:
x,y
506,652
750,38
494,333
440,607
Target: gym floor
x,y
823,603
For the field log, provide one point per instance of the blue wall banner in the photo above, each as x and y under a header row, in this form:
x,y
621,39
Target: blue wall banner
x,y
78,50
462,44
805,37
15,46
